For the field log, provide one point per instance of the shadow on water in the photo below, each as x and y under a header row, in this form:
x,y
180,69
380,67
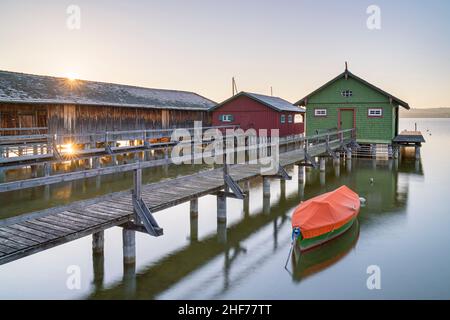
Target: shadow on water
x,y
378,181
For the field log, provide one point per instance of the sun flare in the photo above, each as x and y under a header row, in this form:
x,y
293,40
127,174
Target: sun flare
x,y
71,76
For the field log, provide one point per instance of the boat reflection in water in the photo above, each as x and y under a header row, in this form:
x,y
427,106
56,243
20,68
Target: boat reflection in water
x,y
307,263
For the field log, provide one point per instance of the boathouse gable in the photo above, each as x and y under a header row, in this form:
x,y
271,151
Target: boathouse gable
x,y
348,101
256,111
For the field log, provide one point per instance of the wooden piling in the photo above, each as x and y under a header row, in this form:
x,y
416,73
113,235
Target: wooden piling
x,y
193,228
193,208
221,208
222,232
417,152
129,246
98,240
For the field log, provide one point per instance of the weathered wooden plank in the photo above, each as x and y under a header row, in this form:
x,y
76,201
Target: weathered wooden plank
x,y
36,225
79,219
118,205
98,208
17,239
83,215
38,233
24,234
5,249
64,223
52,225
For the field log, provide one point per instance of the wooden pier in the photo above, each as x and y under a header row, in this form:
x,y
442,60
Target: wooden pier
x,y
31,233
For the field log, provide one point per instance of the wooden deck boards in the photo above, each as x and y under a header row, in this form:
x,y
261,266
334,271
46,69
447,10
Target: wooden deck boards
x,y
19,239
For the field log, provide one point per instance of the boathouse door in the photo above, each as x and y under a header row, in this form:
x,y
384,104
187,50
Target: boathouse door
x,y
346,119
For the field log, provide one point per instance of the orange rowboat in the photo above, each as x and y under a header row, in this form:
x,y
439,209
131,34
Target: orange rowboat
x,y
324,217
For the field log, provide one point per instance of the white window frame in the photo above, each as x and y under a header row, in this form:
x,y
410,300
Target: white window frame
x,y
375,112
227,118
320,112
290,118
283,118
347,93
298,118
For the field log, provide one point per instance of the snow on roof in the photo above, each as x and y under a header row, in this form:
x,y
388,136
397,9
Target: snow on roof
x,y
27,88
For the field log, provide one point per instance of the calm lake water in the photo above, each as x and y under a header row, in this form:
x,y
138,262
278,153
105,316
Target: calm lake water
x,y
403,229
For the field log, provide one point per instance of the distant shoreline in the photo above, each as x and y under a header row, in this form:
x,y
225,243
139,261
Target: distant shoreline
x,y
436,113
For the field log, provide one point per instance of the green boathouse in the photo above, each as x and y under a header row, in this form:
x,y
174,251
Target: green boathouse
x,y
348,101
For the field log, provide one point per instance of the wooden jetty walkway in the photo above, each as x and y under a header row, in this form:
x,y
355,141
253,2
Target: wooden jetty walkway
x,y
37,231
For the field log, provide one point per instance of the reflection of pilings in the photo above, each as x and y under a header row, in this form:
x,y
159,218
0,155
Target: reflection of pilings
x,y
349,154
396,161
47,192
221,208
348,165
2,175
193,210
417,166
282,189
337,170
266,187
322,178
301,189
301,173
194,228
266,205
395,152
222,231
275,234
34,171
322,164
129,246
98,259
96,165
129,280
246,204
47,169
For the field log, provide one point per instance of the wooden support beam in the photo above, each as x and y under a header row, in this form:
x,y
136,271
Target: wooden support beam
x,y
98,241
221,208
129,246
193,207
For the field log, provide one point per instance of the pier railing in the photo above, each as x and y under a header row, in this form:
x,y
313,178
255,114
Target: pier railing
x,y
262,144
34,144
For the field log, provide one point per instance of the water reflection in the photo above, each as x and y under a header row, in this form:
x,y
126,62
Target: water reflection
x,y
308,263
387,194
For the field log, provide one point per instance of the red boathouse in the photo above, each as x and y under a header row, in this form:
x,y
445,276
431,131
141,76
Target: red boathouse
x,y
257,111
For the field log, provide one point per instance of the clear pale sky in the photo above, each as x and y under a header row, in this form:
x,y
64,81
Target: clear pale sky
x,y
198,45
